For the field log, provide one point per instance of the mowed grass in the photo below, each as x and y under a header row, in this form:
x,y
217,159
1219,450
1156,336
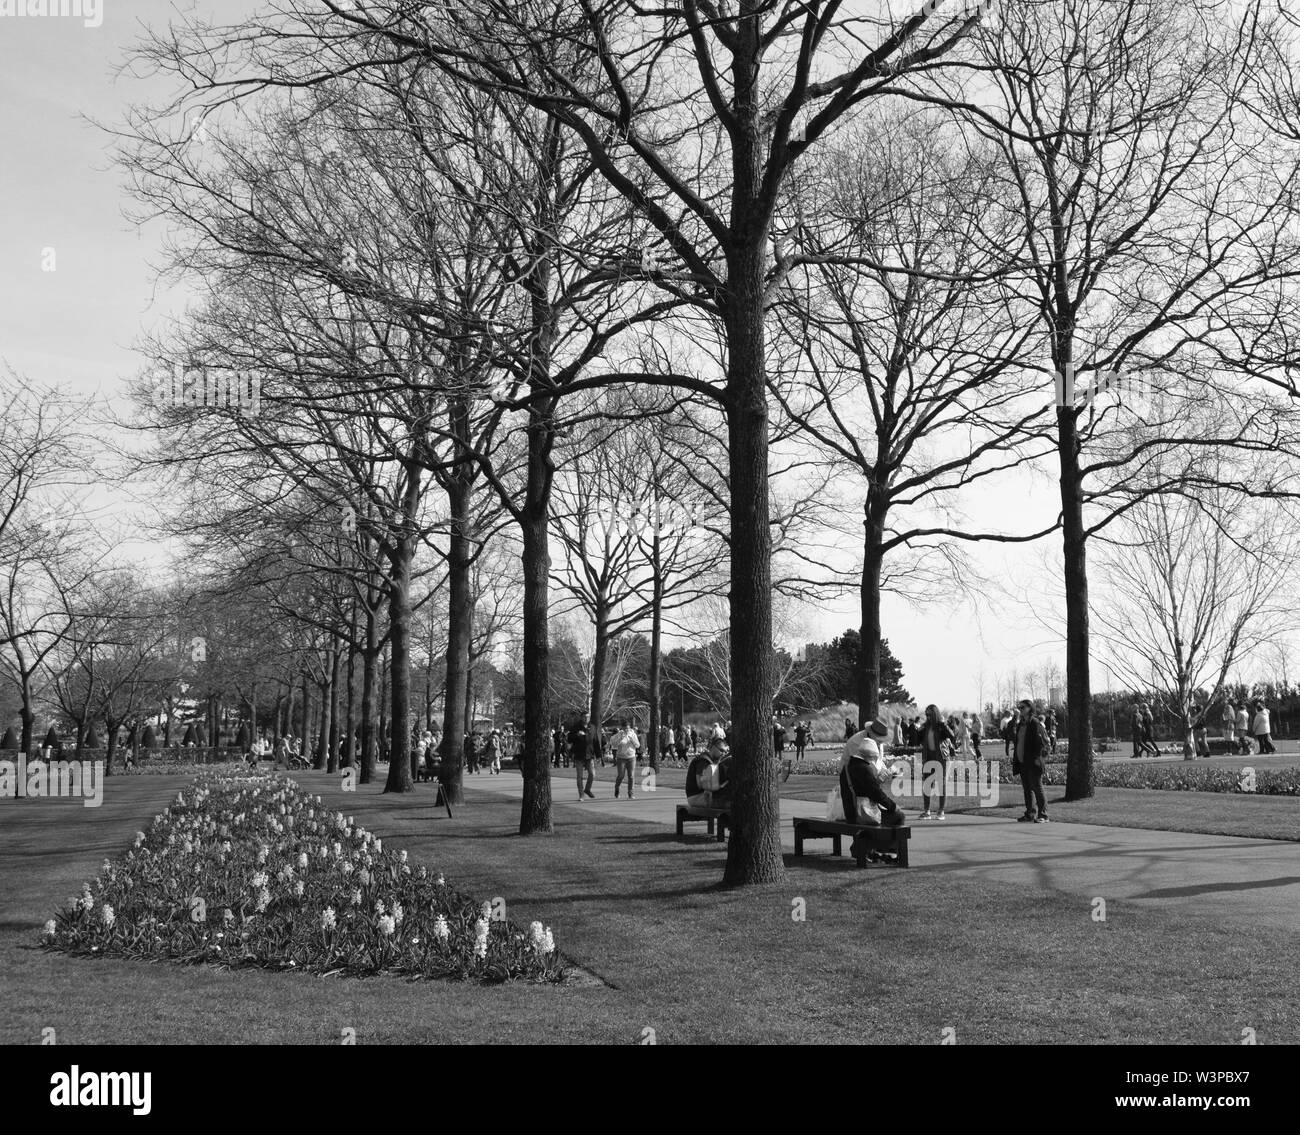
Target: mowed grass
x,y
907,951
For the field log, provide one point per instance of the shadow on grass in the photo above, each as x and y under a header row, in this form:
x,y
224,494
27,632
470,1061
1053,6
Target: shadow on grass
x,y
1217,888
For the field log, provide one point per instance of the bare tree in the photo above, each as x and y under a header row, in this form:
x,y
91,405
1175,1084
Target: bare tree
x,y
1194,587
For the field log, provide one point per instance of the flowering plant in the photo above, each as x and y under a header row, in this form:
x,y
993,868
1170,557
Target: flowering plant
x,y
248,870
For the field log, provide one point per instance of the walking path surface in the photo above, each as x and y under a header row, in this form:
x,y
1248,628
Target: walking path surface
x,y
1248,881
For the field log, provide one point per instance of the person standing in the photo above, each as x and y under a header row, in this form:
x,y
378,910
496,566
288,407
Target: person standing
x,y
848,728
681,743
963,735
1263,729
1010,724
471,756
625,744
936,738
1050,725
1243,729
800,739
1031,745
976,735
695,740
1229,719
494,752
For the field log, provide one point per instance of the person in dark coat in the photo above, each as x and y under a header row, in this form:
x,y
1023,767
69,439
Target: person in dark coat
x,y
1031,747
580,747
860,778
936,743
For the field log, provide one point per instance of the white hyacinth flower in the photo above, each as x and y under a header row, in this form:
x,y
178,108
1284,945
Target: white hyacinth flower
x,y
50,928
356,897
327,920
387,925
480,938
107,916
441,930
302,861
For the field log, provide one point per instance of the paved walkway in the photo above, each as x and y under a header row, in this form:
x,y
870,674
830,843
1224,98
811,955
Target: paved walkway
x,y
1250,881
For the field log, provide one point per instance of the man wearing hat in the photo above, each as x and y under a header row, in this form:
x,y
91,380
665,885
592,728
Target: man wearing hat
x,y
861,772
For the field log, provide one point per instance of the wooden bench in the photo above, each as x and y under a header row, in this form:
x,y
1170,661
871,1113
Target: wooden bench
x,y
885,839
687,812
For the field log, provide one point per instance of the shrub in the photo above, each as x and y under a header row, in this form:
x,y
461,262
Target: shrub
x,y
251,871
1177,777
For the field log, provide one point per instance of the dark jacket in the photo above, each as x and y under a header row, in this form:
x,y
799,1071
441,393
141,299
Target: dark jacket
x,y
1031,743
859,778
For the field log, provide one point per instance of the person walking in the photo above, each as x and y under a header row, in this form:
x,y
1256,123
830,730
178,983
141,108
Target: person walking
x,y
695,740
936,740
1149,730
976,735
1031,745
1010,723
778,738
625,744
494,752
1243,729
1200,733
1263,729
800,739
580,747
963,735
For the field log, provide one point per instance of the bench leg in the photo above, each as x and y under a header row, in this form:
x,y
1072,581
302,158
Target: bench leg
x,y
860,856
722,829
798,840
681,819
902,852
837,845
709,821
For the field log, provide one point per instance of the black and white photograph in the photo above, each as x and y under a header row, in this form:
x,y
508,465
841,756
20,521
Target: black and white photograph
x,y
611,522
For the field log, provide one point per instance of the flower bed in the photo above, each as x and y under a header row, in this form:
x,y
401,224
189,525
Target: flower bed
x,y
1177,777
248,870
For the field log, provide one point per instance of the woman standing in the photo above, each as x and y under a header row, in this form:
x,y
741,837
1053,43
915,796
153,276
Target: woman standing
x,y
1263,729
936,740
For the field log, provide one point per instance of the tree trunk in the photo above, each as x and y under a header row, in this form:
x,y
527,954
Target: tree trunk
x,y
325,756
369,657
656,652
349,754
754,852
454,724
330,710
599,663
872,560
1079,766
535,761
402,758
383,733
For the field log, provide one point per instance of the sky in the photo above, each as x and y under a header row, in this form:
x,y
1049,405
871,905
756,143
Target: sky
x,y
79,289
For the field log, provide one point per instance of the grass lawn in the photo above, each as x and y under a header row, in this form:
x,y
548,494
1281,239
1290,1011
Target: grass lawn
x,y
916,951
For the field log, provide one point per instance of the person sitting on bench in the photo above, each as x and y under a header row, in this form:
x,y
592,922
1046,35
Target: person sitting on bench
x,y
861,771
708,782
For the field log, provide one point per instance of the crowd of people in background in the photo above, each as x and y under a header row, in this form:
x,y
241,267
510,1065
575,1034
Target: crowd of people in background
x,y
1023,729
